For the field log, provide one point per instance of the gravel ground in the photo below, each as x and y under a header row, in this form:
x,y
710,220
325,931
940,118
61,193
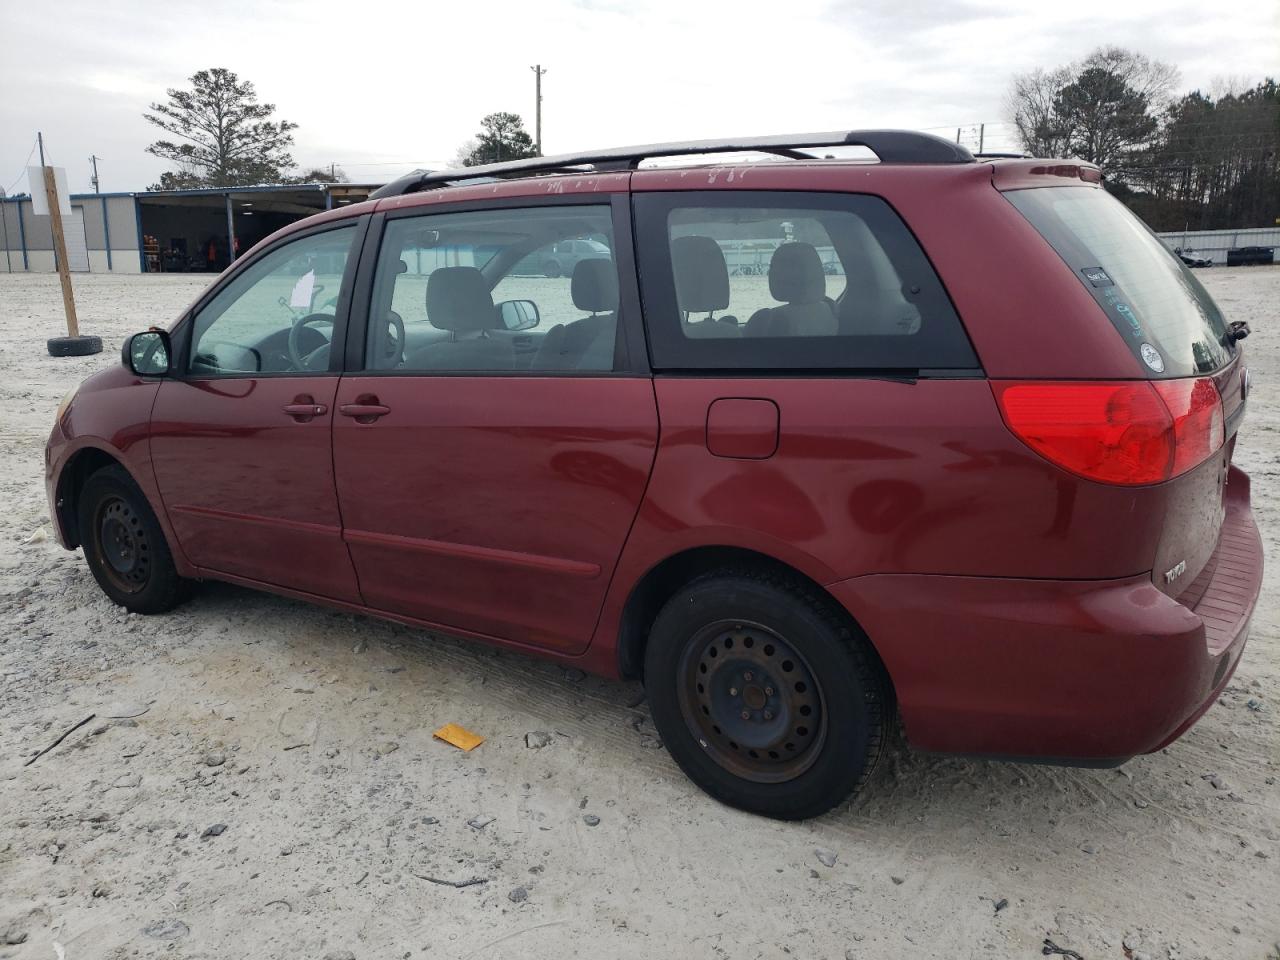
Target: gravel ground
x,y
260,780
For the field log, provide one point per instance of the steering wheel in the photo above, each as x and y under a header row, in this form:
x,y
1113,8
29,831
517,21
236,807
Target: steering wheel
x,y
393,339
304,361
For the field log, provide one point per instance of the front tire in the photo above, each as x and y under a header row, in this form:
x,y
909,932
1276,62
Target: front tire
x,y
766,696
125,547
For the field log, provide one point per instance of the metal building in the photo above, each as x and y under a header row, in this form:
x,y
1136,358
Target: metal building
x,y
174,231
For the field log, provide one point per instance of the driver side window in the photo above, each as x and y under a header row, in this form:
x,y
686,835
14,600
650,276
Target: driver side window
x,y
276,316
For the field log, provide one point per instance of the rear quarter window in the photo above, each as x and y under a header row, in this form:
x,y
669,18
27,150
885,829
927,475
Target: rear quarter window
x,y
758,280
1167,319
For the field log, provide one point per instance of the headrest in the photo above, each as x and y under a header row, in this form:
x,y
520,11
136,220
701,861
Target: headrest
x,y
702,277
795,274
458,299
595,285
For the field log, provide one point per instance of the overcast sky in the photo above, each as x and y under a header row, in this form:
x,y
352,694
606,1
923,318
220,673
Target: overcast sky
x,y
380,88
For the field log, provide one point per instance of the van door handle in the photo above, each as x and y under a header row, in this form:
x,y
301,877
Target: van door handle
x,y
365,410
304,408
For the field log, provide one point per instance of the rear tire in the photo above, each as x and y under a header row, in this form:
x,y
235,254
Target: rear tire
x,y
552,269
125,547
766,695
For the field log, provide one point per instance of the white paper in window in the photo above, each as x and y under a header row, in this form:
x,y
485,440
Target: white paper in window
x,y
303,291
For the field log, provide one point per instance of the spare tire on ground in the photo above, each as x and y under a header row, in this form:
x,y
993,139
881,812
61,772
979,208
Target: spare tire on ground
x,y
74,346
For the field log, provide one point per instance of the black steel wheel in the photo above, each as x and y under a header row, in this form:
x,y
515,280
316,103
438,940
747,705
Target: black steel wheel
x,y
121,545
766,693
125,546
752,701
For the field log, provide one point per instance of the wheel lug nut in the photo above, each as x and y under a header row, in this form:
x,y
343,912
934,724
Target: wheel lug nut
x,y
746,715
747,676
768,691
733,691
768,715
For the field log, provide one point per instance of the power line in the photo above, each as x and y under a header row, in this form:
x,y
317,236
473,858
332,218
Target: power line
x,y
24,169
390,163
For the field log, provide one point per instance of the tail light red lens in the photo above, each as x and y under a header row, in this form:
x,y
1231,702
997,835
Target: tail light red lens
x,y
1121,432
1198,427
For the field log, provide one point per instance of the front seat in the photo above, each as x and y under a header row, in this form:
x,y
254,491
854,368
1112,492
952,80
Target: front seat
x,y
585,344
459,301
702,286
797,279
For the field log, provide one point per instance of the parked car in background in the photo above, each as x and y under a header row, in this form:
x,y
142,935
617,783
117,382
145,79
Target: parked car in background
x,y
978,479
1250,256
1192,259
560,259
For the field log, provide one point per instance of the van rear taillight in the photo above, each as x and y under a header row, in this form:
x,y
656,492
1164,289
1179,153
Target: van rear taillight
x,y
1198,427
1122,432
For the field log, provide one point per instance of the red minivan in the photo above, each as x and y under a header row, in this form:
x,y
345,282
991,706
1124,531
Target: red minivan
x,y
805,444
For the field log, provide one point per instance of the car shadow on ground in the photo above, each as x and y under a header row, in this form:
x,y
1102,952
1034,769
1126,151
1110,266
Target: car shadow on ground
x,y
912,795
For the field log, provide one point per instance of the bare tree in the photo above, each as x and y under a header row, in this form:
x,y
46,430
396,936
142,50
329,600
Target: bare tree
x,y
1101,109
465,152
1030,106
228,138
1153,80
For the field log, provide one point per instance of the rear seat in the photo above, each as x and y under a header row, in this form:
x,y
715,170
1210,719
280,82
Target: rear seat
x,y
797,279
702,286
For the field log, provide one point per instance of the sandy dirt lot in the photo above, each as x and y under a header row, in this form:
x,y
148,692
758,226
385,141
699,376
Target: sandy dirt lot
x,y
304,737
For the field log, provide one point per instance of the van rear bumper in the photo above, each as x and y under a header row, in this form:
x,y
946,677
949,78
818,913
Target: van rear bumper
x,y
1070,670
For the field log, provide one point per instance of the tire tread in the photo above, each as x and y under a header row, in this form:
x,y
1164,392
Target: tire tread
x,y
167,588
877,689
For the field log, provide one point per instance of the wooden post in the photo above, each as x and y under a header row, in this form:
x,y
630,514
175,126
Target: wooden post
x,y
60,250
231,233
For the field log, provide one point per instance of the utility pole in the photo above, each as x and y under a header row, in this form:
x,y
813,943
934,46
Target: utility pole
x,y
40,140
93,159
538,71
982,135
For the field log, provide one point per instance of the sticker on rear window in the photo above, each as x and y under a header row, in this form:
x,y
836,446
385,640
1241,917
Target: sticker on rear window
x,y
1122,308
1097,276
1151,357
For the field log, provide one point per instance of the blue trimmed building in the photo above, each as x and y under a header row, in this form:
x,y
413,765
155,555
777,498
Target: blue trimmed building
x,y
174,231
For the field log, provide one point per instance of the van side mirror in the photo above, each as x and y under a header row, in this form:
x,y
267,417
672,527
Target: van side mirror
x,y
148,354
519,315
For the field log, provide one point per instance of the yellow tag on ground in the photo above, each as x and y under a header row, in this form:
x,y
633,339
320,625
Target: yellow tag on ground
x,y
460,737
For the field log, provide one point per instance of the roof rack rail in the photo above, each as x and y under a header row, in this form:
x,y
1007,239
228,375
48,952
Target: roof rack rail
x,y
890,146
1002,155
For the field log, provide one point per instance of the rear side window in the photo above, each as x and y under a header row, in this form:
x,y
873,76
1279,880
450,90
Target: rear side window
x,y
1166,317
752,280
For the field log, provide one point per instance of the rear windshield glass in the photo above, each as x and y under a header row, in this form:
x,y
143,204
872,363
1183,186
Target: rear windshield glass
x,y
1166,317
